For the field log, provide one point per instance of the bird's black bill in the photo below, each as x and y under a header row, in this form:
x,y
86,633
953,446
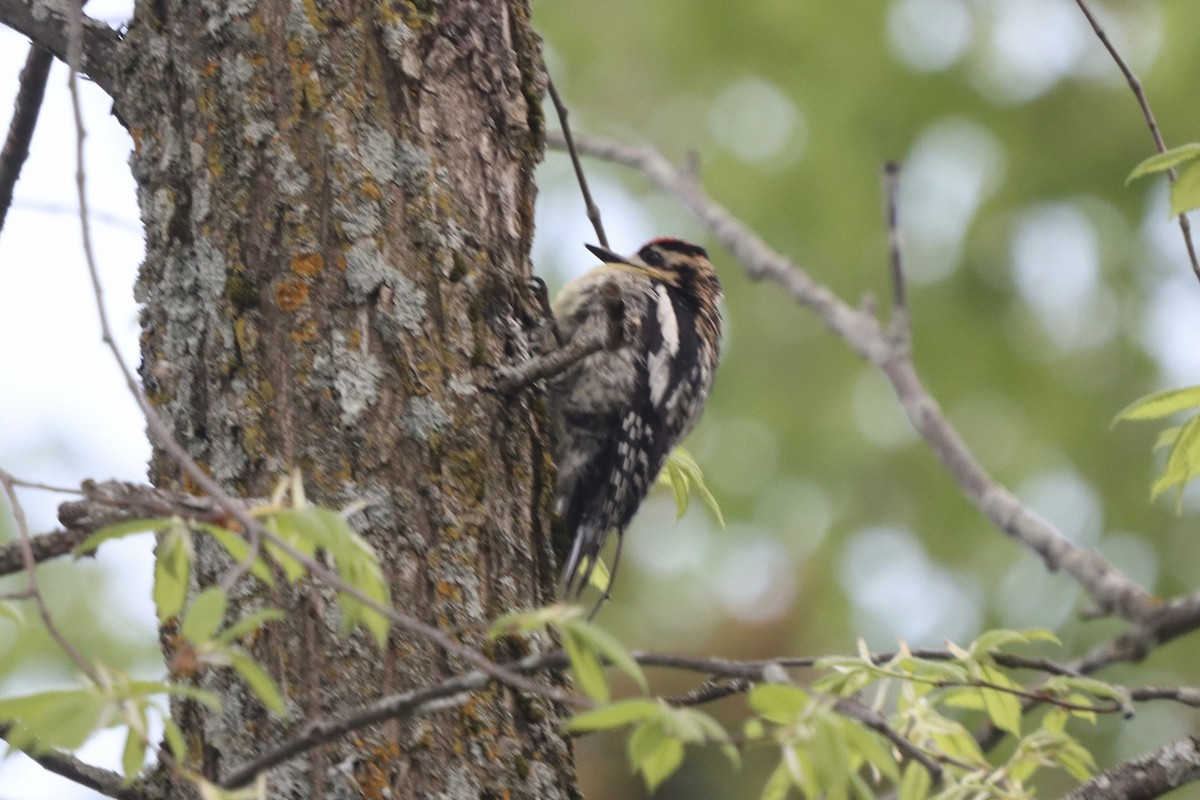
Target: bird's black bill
x,y
607,256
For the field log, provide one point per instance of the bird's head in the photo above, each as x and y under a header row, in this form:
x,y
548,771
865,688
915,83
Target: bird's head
x,y
675,262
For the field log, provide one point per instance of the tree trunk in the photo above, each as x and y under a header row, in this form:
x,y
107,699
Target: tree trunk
x,y
338,202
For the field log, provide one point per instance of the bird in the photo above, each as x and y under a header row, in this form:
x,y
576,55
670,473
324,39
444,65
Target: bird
x,y
618,412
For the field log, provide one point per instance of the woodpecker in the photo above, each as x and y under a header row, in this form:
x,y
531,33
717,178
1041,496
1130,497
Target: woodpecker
x,y
619,412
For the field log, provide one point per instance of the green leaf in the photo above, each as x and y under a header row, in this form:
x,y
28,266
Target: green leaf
x,y
779,703
1161,404
682,724
1185,191
1076,759
715,732
134,754
262,684
120,530
533,619
753,729
681,473
248,623
1161,162
606,646
204,616
284,526
830,760
193,693
967,697
915,784
238,549
654,753
1100,689
1167,437
587,669
615,715
172,567
867,744
997,639
175,739
1003,708
11,612
800,766
957,742
927,669
778,785
1183,462
598,577
677,480
58,719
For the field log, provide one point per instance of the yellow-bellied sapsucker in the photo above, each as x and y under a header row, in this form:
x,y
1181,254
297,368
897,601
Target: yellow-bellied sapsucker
x,y
620,411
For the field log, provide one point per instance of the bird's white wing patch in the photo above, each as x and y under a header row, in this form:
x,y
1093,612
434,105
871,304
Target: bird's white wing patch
x,y
658,363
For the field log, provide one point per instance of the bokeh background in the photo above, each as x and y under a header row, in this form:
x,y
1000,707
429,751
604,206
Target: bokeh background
x,y
1046,295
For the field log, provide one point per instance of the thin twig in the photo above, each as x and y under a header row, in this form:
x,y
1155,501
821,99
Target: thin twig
x,y
30,564
25,115
891,185
1136,85
45,487
593,212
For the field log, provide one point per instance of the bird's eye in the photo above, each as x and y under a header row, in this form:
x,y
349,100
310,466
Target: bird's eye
x,y
651,256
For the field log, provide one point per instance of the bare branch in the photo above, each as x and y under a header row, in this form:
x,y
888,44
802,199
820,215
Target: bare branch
x,y
20,131
45,547
1111,590
46,23
709,691
1160,771
1136,85
106,782
448,694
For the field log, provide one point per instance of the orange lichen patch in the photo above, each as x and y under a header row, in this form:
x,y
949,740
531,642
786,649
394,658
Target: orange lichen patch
x,y
371,189
305,333
307,265
354,339
449,591
340,262
291,294
211,68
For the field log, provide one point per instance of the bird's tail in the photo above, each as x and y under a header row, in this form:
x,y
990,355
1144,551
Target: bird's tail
x,y
585,552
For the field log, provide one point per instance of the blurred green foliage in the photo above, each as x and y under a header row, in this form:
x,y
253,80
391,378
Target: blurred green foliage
x,y
1047,301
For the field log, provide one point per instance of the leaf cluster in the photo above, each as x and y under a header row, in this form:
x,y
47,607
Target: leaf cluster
x,y
63,720
827,750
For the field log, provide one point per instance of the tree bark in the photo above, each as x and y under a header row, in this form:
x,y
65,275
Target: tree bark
x,y
338,203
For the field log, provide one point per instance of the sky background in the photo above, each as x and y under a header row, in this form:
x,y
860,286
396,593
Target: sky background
x,y
1046,295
